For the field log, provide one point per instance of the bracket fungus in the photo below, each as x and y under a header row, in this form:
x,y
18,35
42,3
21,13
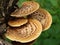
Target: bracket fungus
x,y
25,33
44,17
25,30
27,8
17,22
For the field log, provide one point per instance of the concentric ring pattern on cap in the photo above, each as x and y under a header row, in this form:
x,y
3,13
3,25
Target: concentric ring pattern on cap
x,y
44,17
25,33
17,22
27,8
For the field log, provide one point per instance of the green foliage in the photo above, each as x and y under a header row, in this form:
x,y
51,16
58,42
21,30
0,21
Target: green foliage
x,y
20,2
8,40
52,35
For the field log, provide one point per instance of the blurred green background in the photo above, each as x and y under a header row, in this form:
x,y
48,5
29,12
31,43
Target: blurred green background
x,y
52,35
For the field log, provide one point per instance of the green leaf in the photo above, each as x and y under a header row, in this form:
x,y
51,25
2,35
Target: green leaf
x,y
8,40
54,3
20,2
51,42
52,35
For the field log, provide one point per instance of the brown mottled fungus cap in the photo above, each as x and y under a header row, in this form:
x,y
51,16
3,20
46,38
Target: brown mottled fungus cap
x,y
44,17
25,33
27,8
17,22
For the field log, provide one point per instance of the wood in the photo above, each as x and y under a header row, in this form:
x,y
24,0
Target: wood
x,y
6,7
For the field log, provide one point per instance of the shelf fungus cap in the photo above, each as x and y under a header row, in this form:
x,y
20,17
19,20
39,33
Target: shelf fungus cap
x,y
26,33
17,22
27,8
44,17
